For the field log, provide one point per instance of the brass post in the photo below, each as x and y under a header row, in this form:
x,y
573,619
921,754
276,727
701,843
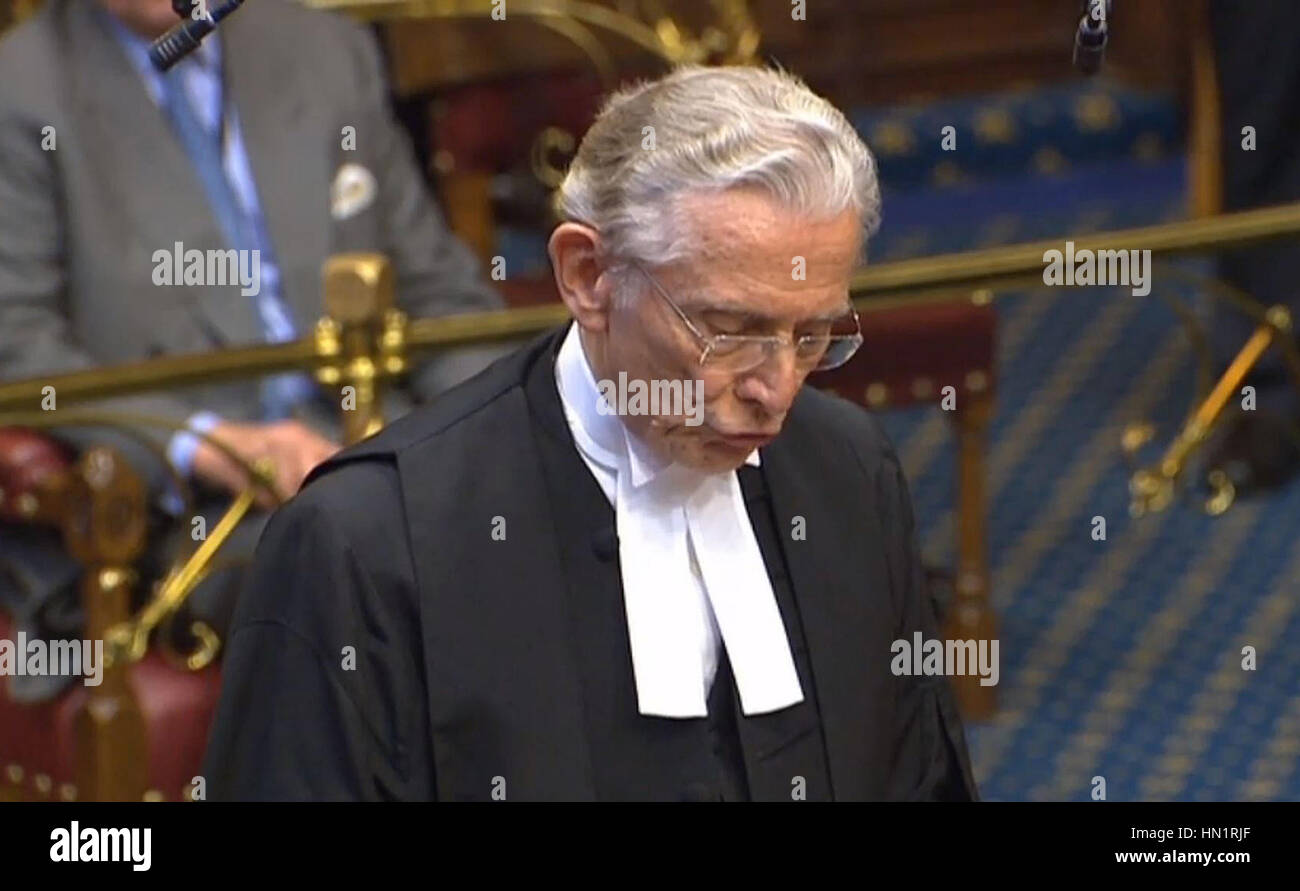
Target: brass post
x,y
104,528
970,616
359,331
127,641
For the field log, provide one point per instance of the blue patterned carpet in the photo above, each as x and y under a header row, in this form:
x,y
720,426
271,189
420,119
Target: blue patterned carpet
x,y
1120,658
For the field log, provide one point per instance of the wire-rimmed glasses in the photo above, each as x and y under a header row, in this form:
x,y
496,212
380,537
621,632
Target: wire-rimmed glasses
x,y
738,353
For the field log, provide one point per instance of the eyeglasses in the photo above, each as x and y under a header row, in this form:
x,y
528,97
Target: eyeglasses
x,y
738,353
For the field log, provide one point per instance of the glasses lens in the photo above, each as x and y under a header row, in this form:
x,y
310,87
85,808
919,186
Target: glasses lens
x,y
736,354
838,351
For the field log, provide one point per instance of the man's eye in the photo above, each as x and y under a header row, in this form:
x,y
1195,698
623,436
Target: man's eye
x,y
724,324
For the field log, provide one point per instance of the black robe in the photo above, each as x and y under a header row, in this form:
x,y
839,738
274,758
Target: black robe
x,y
438,615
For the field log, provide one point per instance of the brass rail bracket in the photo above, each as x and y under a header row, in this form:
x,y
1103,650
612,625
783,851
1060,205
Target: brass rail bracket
x,y
1153,488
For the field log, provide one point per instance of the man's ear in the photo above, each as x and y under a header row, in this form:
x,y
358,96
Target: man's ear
x,y
584,286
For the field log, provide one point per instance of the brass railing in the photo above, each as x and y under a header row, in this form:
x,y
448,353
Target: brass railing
x,y
364,342
874,288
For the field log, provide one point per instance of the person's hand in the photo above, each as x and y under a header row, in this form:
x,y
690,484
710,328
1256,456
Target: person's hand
x,y
293,448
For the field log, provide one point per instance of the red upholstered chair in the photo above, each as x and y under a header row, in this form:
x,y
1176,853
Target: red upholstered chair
x,y
152,746
39,751
28,462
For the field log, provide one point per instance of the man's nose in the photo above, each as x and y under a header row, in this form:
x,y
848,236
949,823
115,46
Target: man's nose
x,y
775,383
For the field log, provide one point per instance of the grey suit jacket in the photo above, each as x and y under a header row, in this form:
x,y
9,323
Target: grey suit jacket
x,y
79,224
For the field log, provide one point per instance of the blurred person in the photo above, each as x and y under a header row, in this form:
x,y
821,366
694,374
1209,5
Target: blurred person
x,y
1257,47
540,588
274,139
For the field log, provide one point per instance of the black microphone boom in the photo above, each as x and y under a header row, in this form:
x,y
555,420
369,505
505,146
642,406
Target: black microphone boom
x,y
185,37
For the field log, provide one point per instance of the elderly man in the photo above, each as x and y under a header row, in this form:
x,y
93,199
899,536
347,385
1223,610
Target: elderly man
x,y
275,140
548,587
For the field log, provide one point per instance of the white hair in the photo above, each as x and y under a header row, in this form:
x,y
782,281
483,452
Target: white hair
x,y
702,130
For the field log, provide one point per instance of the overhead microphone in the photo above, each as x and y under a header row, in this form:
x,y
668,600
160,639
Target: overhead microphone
x,y
1091,37
198,20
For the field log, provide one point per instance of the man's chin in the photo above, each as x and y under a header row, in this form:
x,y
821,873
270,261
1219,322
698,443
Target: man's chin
x,y
706,450
716,456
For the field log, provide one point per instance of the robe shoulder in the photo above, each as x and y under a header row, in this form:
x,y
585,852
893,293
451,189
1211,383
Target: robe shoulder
x,y
354,501
454,407
818,417
323,678
324,692
836,416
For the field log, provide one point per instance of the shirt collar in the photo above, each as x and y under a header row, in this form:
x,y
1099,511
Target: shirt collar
x,y
603,437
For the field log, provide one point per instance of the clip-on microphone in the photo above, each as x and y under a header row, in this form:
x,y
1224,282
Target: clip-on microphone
x,y
198,20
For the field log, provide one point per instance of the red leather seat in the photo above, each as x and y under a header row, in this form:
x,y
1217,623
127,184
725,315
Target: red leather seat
x,y
27,461
38,743
38,750
910,353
